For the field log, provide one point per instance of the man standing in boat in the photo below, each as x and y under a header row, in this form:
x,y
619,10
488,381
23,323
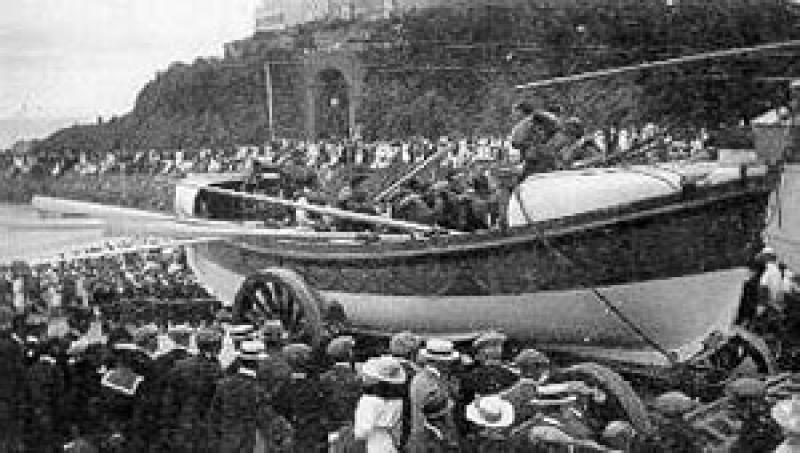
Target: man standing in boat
x,y
530,136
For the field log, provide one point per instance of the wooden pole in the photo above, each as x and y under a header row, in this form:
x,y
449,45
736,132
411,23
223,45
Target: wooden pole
x,y
270,120
657,64
414,172
326,210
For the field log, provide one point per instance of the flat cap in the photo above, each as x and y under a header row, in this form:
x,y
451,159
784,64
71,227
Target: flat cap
x,y
297,355
404,343
340,348
530,357
672,404
487,339
745,388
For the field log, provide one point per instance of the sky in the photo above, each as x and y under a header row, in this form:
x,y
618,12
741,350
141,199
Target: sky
x,y
85,58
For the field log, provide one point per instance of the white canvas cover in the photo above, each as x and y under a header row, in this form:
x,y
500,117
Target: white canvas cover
x,y
560,194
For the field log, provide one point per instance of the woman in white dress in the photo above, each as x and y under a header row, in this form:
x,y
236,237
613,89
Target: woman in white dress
x,y
787,414
379,412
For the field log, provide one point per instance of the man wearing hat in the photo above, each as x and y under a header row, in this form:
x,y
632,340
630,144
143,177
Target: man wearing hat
x,y
672,432
757,430
46,385
491,416
240,417
532,131
435,436
488,376
341,383
190,387
378,416
11,384
274,336
302,400
439,358
404,346
534,368
150,396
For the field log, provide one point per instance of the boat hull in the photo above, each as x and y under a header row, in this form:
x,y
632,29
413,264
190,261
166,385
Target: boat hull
x,y
664,241
677,312
670,264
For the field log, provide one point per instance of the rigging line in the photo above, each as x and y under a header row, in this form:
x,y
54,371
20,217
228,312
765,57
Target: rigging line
x,y
657,64
592,288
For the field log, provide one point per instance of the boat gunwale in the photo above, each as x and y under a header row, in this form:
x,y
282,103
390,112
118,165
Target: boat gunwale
x,y
554,228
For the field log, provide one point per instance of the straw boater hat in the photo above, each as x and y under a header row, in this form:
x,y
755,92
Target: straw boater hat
x,y
241,331
384,369
340,348
145,334
491,412
252,350
766,254
404,343
207,338
528,358
787,414
673,404
746,388
439,350
297,355
492,338
273,331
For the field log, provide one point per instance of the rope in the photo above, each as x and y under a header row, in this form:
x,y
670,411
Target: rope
x,y
592,288
657,64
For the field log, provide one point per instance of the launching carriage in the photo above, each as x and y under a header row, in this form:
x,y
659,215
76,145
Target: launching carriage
x,y
639,266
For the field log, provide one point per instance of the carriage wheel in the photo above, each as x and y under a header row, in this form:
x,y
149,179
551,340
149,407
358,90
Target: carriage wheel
x,y
744,354
281,294
622,402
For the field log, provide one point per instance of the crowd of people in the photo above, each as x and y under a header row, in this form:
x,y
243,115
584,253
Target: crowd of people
x,y
179,162
76,381
147,174
87,367
111,275
79,377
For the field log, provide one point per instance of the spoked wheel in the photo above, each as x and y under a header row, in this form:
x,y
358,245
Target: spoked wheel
x,y
621,403
744,353
281,294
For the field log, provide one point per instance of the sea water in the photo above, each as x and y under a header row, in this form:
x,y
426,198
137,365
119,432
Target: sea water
x,y
26,235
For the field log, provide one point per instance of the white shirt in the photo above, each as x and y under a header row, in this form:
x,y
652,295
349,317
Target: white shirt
x,y
773,281
379,422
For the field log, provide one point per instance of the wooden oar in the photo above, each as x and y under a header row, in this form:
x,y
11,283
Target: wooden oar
x,y
127,221
329,211
388,192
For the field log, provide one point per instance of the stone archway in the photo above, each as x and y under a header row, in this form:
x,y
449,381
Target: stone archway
x,y
332,105
335,78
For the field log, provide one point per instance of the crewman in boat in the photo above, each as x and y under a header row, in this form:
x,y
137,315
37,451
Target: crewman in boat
x,y
530,135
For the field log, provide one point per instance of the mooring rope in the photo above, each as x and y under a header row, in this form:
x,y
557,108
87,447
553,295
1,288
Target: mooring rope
x,y
591,287
661,63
